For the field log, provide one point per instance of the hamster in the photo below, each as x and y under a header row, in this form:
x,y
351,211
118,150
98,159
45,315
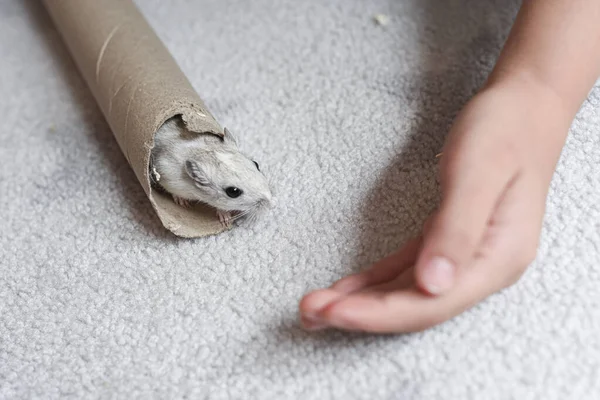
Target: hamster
x,y
210,169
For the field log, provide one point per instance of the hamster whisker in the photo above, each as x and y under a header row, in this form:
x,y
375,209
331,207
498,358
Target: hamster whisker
x,y
252,213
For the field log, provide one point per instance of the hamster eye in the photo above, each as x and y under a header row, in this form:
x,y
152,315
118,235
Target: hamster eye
x,y
257,167
233,192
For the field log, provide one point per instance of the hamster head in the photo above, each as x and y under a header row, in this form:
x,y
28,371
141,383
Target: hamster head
x,y
228,180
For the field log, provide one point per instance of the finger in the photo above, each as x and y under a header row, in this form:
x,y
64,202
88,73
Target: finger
x,y
469,197
408,310
382,271
405,280
427,225
312,303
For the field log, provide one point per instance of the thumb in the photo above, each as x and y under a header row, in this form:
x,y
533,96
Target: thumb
x,y
453,233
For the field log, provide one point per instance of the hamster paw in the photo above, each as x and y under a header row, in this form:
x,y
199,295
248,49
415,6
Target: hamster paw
x,y
180,201
225,217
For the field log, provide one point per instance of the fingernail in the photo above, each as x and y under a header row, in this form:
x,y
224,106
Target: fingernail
x,y
438,275
312,323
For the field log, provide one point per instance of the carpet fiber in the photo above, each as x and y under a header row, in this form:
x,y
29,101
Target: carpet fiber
x,y
345,116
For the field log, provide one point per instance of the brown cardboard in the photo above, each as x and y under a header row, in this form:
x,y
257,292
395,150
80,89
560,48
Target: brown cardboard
x,y
138,86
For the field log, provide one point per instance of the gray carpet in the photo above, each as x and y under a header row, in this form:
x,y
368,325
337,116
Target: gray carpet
x,y
97,300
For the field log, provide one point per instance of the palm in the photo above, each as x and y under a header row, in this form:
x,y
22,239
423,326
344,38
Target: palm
x,y
386,297
506,210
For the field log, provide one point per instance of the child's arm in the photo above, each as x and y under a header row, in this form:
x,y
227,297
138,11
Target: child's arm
x,y
495,172
556,44
550,62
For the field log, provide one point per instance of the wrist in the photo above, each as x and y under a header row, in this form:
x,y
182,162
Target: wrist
x,y
535,117
536,91
544,101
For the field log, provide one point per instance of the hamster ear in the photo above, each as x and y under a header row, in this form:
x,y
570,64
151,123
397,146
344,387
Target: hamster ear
x,y
196,173
228,137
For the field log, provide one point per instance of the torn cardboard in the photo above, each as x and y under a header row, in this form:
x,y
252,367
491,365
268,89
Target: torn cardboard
x,y
138,86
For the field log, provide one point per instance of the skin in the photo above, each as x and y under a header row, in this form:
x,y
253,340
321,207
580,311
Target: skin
x,y
496,169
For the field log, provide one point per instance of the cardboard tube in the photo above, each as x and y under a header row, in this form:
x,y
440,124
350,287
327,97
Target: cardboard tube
x,y
138,86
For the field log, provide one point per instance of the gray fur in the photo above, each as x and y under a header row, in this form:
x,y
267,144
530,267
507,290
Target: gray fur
x,y
199,167
196,172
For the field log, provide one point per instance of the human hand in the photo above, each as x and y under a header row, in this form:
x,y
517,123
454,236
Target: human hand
x,y
495,172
